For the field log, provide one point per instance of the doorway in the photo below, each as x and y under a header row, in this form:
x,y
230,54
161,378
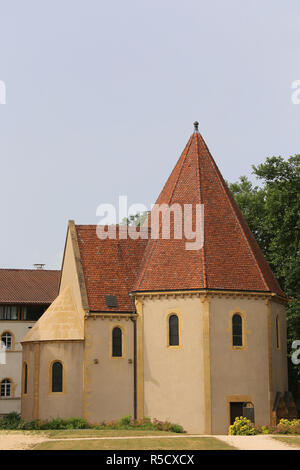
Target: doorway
x,y
241,408
236,410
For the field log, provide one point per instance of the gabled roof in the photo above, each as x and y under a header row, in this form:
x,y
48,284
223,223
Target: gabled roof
x,y
61,321
230,258
28,286
109,266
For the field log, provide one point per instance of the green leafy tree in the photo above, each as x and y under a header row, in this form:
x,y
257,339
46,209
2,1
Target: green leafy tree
x,y
135,220
272,211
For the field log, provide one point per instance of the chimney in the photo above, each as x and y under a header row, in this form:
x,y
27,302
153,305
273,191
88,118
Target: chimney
x,y
39,266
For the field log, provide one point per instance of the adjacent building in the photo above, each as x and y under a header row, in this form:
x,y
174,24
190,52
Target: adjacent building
x,y
25,294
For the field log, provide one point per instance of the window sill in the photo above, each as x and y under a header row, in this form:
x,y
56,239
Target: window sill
x,y
10,398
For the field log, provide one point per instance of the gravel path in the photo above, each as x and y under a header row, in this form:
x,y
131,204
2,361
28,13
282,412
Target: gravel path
x,y
20,441
260,442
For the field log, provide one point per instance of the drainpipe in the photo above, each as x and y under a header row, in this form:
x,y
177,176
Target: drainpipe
x,y
134,363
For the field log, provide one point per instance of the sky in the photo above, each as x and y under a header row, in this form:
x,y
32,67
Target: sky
x,y
101,98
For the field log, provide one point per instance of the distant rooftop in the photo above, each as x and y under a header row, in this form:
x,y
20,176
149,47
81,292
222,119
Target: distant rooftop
x,y
28,286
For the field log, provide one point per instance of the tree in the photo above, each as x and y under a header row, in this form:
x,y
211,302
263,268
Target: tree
x,y
272,211
137,219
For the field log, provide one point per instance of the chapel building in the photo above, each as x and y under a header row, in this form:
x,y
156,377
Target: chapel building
x,y
147,327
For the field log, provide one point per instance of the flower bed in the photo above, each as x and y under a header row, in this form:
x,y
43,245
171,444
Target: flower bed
x,y
243,427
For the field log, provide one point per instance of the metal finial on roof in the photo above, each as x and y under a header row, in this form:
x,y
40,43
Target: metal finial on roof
x,y
196,124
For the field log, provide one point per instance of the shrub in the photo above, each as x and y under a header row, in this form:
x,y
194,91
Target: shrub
x,y
264,430
10,421
125,421
144,423
14,421
55,423
69,423
77,423
242,427
286,426
30,425
176,428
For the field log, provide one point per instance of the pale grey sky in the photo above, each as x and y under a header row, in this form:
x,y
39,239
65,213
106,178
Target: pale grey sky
x,y
101,99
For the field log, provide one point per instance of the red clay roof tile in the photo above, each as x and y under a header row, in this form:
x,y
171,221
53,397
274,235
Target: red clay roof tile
x,y
110,267
28,286
230,258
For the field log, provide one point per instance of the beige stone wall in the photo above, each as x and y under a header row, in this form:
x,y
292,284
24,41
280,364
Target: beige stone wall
x,y
108,381
69,402
13,360
27,406
279,361
174,377
239,374
51,405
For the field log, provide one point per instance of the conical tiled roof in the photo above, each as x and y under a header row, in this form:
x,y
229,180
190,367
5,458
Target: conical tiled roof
x,y
61,321
230,257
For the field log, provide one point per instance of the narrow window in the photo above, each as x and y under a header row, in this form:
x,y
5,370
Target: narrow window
x,y
173,330
57,377
237,330
277,332
117,342
25,378
6,339
5,388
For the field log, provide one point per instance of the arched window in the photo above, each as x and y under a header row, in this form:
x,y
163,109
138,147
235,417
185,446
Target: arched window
x,y
57,377
237,330
5,388
173,330
25,379
117,342
6,339
277,332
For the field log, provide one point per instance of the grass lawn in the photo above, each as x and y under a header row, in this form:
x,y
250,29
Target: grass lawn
x,y
180,443
290,440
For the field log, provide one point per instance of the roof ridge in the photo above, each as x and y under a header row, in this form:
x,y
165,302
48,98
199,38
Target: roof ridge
x,y
61,321
118,226
154,245
235,214
181,166
29,269
201,199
